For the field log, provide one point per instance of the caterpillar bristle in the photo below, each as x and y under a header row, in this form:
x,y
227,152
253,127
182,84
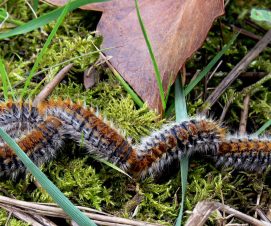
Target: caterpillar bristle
x,y
40,144
40,132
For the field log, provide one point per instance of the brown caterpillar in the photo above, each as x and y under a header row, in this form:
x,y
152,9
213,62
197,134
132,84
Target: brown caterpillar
x,y
40,131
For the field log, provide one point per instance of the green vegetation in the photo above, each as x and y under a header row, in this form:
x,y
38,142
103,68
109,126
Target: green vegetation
x,y
102,187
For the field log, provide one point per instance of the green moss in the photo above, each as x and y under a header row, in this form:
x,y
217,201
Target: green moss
x,y
64,48
4,220
261,64
78,181
19,189
111,100
72,40
90,183
18,9
158,202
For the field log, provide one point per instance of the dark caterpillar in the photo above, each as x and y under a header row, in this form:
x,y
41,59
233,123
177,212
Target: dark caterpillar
x,y
40,131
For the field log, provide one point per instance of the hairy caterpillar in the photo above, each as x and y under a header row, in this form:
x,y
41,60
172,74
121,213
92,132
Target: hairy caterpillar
x,y
40,132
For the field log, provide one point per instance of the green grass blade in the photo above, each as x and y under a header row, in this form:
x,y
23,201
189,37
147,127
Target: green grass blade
x,y
45,19
35,5
180,104
53,191
126,86
5,17
156,69
4,78
205,71
5,81
263,128
181,113
169,87
170,110
11,89
112,166
44,48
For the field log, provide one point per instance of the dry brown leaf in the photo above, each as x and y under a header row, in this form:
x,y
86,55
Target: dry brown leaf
x,y
91,77
176,28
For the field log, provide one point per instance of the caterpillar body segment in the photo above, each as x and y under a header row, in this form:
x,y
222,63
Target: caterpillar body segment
x,y
86,127
245,152
41,131
172,142
18,118
40,144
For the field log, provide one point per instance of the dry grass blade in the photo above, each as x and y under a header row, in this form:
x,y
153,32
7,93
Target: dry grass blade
x,y
181,113
244,115
16,212
24,217
54,211
49,88
204,209
240,67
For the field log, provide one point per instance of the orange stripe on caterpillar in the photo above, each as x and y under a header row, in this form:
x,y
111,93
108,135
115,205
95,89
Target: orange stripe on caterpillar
x,y
16,118
72,120
79,122
40,145
244,144
42,133
172,142
245,152
139,160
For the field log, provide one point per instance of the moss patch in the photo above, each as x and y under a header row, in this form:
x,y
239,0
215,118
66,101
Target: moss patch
x,y
90,183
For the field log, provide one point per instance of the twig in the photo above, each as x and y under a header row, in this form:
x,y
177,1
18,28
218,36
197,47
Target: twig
x,y
208,78
259,195
248,92
255,26
8,218
246,33
248,74
225,109
53,211
34,220
43,220
254,87
193,75
251,74
237,224
22,216
204,209
235,72
214,71
48,89
262,215
244,114
201,213
106,223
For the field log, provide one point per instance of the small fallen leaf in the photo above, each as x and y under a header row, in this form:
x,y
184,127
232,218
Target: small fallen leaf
x,y
91,77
